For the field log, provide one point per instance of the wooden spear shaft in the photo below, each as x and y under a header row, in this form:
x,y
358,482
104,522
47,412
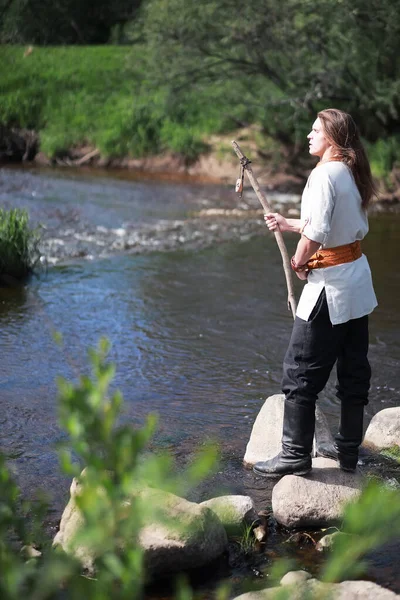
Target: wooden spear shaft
x,y
291,301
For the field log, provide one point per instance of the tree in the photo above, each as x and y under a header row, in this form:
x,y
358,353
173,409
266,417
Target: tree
x,y
344,53
63,21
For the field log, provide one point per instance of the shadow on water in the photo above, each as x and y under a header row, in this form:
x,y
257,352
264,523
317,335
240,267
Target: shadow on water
x,y
13,299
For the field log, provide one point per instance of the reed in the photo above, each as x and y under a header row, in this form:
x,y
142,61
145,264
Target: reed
x,y
19,244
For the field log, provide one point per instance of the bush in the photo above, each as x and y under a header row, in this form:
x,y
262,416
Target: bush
x,y
384,156
105,96
117,465
19,251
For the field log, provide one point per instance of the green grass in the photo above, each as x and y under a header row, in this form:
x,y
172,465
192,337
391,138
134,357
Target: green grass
x,y
103,96
70,95
393,453
384,156
18,244
247,542
99,95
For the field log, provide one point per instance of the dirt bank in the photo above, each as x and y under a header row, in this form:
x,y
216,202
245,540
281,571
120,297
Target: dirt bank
x,y
213,167
274,169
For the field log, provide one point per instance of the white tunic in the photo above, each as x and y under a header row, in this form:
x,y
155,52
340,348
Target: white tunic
x,y
331,209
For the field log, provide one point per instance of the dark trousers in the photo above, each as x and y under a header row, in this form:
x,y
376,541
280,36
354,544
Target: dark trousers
x,y
315,346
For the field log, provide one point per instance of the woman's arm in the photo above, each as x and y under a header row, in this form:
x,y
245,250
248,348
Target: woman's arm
x,y
305,249
275,220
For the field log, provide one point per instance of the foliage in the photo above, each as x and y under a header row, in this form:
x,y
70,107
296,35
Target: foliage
x,y
100,96
344,54
68,22
198,69
384,156
373,520
117,466
247,540
19,242
69,95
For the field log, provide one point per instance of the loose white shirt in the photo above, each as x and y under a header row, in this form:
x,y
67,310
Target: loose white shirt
x,y
333,216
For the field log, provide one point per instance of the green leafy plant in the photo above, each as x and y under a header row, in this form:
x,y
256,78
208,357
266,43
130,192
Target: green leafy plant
x,y
19,244
112,508
384,155
372,520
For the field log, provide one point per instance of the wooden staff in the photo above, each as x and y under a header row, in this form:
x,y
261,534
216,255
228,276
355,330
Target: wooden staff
x,y
244,161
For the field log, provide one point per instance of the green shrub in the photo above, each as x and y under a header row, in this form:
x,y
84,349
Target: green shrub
x,y
372,520
117,465
384,155
105,96
19,251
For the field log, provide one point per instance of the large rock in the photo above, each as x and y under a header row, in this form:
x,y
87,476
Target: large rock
x,y
266,435
188,536
72,522
384,429
347,590
234,512
185,535
317,499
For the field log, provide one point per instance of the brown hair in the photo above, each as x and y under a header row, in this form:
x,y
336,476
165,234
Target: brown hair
x,y
342,133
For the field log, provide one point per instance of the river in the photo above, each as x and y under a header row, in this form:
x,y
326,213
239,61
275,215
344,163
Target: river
x,y
198,333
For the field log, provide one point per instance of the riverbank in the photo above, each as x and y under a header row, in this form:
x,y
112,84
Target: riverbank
x,y
216,164
99,96
219,165
76,106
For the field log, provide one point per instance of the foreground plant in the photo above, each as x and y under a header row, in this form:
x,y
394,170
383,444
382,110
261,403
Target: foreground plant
x,y
118,468
372,521
19,244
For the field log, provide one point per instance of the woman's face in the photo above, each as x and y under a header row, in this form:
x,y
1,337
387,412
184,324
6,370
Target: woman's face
x,y
318,144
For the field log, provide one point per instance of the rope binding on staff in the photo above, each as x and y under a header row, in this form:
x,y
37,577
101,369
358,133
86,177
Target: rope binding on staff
x,y
244,161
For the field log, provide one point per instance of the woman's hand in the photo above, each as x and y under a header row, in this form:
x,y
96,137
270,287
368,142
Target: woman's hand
x,y
275,222
302,275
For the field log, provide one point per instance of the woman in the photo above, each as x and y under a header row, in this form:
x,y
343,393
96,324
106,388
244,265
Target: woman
x,y
331,324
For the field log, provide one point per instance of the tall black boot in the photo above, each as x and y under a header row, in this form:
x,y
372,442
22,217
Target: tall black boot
x,y
297,440
349,437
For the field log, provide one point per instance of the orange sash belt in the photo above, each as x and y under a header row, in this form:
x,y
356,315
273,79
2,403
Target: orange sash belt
x,y
329,257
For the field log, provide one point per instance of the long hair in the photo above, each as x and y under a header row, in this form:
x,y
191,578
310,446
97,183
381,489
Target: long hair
x,y
342,133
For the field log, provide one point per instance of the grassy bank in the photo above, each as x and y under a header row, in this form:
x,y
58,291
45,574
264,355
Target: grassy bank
x,y
100,96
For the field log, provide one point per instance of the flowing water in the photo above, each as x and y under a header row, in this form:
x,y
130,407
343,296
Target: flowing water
x,y
198,336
